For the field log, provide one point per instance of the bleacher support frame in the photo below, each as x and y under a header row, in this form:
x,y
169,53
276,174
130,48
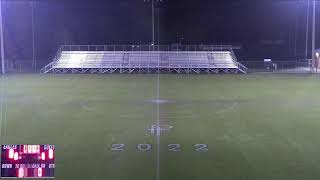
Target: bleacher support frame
x,y
161,67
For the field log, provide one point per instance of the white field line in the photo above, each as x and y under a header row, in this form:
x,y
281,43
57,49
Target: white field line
x,y
158,127
4,108
1,106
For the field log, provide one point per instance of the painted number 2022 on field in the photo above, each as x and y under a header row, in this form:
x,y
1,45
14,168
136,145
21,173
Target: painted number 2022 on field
x,y
170,147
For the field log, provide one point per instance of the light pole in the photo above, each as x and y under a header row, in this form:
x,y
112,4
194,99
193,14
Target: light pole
x,y
153,18
312,64
152,14
152,7
307,30
2,41
313,34
34,61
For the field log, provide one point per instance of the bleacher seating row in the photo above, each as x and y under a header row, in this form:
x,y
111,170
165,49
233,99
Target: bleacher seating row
x,y
145,59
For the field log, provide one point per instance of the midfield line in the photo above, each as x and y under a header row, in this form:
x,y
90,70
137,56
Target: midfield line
x,y
158,126
3,109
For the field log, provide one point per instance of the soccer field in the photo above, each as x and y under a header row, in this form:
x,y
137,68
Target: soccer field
x,y
223,127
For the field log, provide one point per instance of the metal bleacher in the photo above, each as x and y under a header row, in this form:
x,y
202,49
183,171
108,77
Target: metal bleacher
x,y
144,60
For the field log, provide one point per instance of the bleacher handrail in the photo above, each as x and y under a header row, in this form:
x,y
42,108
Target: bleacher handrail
x,y
147,47
48,67
242,68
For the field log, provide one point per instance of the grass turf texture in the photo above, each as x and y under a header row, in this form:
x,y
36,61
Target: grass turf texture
x,y
257,127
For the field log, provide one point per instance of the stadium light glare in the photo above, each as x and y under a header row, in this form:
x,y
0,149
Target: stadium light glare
x,y
76,59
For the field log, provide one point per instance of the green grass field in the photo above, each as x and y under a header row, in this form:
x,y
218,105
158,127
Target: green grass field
x,y
257,127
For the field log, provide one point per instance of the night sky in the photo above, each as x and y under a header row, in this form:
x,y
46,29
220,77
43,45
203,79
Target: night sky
x,y
263,28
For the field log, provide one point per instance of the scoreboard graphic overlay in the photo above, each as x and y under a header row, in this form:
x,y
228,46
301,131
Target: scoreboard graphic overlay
x,y
27,161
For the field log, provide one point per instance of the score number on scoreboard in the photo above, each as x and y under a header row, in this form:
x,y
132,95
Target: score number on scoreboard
x,y
27,161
